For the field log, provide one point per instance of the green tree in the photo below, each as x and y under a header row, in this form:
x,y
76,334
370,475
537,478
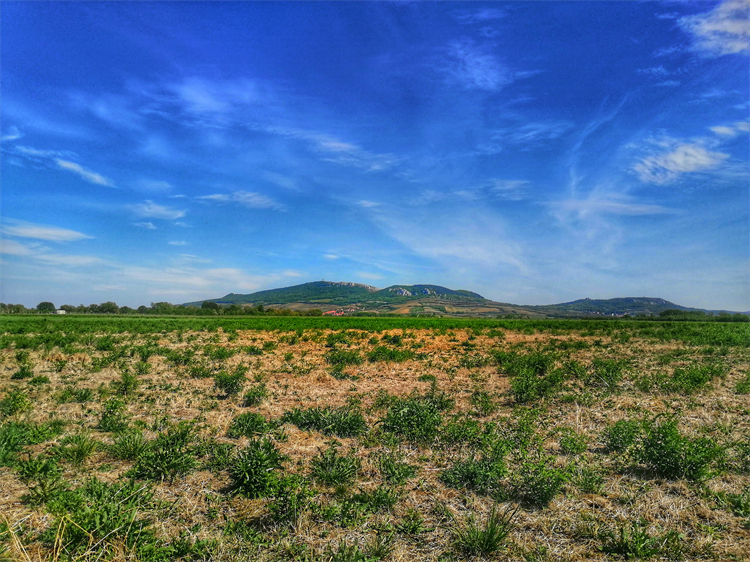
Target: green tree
x,y
109,308
46,307
209,305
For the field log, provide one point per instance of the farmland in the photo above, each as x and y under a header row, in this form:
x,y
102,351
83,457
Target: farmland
x,y
353,439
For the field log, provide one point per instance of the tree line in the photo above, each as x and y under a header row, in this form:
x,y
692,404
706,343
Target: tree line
x,y
158,308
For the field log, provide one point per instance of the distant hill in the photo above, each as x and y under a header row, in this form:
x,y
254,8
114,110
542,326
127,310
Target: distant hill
x,y
437,301
341,294
633,306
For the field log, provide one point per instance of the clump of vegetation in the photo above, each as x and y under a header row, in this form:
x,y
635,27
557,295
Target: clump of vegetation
x,y
346,421
536,481
255,396
333,469
169,455
249,424
254,469
482,475
471,539
230,383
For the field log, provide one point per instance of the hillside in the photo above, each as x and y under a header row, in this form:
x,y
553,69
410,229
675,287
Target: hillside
x,y
436,300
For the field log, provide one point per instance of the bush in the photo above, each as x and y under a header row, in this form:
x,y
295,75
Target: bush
x,y
77,448
24,372
253,469
346,421
290,496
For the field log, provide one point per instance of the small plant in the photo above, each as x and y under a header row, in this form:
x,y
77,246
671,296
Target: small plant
x,y
230,383
743,386
572,443
412,523
672,455
290,497
16,401
255,395
333,469
536,482
622,435
346,421
170,455
248,424
633,542
77,448
129,445
606,373
253,470
113,417
483,402
473,540
482,475
25,372
416,419
394,470
389,354
127,384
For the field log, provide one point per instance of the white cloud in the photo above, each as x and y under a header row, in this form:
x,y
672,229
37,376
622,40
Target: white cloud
x,y
154,186
12,134
724,30
607,204
13,248
69,260
89,176
367,204
178,243
152,210
366,275
479,16
292,273
330,256
248,199
724,131
23,229
146,225
685,158
475,68
512,190
668,84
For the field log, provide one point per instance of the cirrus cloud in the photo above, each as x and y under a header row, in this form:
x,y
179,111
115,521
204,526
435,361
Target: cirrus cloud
x,y
153,210
667,167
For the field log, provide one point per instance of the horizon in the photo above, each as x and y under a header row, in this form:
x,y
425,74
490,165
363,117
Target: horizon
x,y
528,152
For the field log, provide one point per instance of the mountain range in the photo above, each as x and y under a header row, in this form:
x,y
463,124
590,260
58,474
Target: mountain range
x,y
351,298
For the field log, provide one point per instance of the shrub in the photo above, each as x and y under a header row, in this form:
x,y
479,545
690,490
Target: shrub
x,y
253,469
333,469
672,455
346,421
473,540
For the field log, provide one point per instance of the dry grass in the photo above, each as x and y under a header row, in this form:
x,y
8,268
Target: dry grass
x,y
572,527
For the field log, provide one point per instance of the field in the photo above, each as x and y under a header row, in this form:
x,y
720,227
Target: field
x,y
356,439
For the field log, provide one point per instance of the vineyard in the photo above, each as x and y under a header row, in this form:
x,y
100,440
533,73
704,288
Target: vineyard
x,y
362,439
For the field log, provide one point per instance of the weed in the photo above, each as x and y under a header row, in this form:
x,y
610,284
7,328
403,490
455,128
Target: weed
x,y
230,383
622,435
573,443
255,395
482,475
412,523
606,373
289,498
340,358
536,481
394,470
333,469
127,384
633,542
77,448
416,419
346,421
483,402
169,455
253,469
472,540
248,424
743,386
672,455
129,445
113,417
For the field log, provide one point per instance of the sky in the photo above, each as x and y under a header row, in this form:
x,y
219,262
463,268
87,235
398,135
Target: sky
x,y
532,152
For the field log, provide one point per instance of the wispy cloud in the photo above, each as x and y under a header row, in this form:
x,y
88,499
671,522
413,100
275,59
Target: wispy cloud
x,y
527,137
248,199
149,209
178,243
724,30
605,204
88,175
683,158
468,17
153,186
24,229
12,134
474,67
146,225
511,190
368,276
13,248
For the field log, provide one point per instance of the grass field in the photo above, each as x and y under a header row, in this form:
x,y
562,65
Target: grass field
x,y
356,439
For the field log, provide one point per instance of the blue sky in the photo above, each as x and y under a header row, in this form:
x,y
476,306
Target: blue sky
x,y
533,152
